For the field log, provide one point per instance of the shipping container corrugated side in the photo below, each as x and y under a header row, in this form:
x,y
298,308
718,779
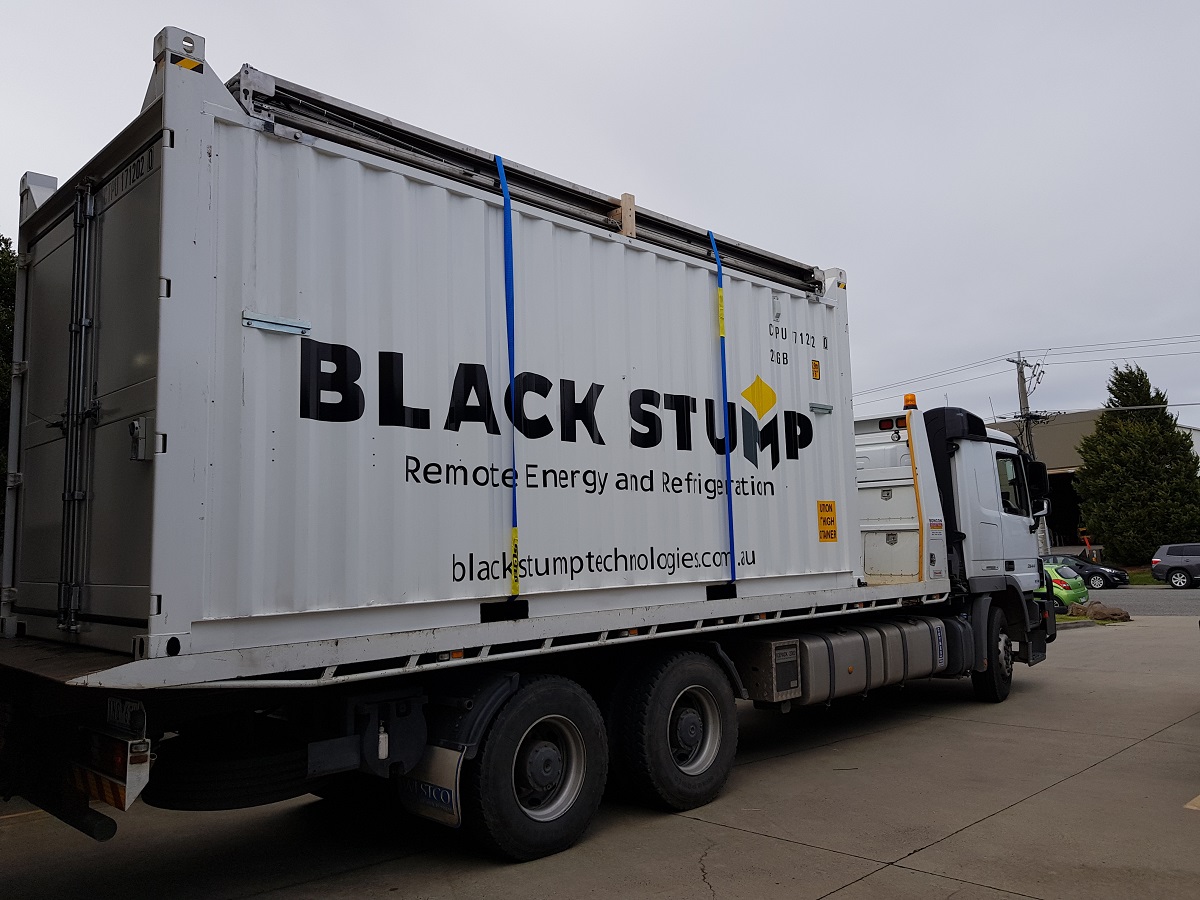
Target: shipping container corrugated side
x,y
312,342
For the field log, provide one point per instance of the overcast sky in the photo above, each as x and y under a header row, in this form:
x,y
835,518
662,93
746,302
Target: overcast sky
x,y
994,178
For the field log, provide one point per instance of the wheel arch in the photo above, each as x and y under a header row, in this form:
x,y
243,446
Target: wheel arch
x,y
721,658
1011,601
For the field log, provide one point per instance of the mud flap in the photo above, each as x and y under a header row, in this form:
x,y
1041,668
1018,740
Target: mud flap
x,y
432,790
1033,651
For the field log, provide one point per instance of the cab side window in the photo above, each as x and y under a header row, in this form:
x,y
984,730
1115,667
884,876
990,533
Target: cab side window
x,y
1014,497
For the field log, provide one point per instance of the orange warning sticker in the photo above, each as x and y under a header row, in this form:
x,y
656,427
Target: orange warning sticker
x,y
827,521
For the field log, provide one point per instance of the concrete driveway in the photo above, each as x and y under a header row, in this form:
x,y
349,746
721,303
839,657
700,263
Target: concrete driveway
x,y
1077,787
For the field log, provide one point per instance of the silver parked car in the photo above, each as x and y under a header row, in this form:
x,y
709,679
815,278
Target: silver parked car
x,y
1177,564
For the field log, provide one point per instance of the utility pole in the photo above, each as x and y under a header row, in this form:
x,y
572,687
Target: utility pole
x,y
1023,396
1026,438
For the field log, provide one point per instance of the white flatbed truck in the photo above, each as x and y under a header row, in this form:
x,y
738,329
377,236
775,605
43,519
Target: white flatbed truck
x,y
345,455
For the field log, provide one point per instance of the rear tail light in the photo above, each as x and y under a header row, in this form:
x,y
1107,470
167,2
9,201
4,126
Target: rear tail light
x,y
1155,562
1058,582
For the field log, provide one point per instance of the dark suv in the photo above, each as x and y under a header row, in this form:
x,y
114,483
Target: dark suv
x,y
1094,575
1177,564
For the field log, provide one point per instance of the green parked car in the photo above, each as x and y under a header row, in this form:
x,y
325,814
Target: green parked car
x,y
1068,586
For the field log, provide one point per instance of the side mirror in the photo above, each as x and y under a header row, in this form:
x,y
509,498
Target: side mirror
x,y
1039,482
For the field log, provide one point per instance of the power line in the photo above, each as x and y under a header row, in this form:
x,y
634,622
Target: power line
x,y
1111,359
1104,409
931,387
1148,345
952,371
908,381
1066,350
1112,345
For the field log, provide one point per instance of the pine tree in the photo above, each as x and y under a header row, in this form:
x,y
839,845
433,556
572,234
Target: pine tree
x,y
1139,485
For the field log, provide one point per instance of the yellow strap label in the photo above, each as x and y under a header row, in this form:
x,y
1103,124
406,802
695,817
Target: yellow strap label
x,y
721,311
514,585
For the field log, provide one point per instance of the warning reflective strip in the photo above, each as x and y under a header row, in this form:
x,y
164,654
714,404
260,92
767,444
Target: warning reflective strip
x,y
192,65
97,787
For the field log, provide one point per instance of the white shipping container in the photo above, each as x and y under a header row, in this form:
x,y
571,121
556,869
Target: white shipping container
x,y
308,331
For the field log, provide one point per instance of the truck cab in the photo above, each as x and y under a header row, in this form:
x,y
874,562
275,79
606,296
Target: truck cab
x,y
995,511
993,494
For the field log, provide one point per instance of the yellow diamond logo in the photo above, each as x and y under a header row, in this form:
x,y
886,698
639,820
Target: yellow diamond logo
x,y
760,396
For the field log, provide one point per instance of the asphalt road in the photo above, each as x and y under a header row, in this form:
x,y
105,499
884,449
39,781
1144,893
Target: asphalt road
x,y
1158,600
1084,784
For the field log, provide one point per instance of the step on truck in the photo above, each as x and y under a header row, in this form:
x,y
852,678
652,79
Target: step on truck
x,y
345,457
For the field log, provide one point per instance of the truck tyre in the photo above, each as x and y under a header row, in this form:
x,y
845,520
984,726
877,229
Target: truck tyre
x,y
539,775
676,731
993,684
1179,578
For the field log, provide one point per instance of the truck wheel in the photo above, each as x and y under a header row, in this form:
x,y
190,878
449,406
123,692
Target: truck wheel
x,y
1178,578
993,684
677,731
539,775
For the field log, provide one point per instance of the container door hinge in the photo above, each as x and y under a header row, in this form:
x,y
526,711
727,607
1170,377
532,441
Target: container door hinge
x,y
24,260
164,288
20,367
15,479
168,138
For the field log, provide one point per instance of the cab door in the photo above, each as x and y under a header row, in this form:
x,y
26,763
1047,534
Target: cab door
x,y
1020,550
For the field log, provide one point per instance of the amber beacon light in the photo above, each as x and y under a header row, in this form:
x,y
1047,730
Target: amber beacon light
x,y
910,401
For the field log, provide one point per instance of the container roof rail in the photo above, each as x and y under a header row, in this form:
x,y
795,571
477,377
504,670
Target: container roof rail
x,y
277,101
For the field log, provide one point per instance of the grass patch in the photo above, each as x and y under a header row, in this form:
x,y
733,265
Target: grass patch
x,y
1142,578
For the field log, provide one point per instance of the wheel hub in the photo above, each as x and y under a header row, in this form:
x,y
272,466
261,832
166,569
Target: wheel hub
x,y
543,765
694,730
689,729
1006,654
